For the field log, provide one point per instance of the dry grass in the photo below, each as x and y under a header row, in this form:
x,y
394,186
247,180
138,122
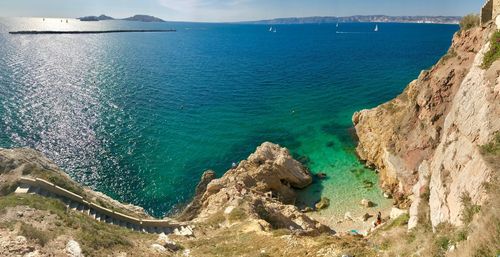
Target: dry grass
x,y
232,242
484,236
469,21
494,53
37,235
96,238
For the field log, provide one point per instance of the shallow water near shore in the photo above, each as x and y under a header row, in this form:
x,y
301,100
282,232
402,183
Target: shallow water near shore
x,y
140,116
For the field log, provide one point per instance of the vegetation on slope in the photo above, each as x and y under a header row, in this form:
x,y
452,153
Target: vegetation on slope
x,y
491,152
96,238
469,21
494,53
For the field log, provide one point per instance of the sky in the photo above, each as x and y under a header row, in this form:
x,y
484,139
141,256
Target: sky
x,y
234,10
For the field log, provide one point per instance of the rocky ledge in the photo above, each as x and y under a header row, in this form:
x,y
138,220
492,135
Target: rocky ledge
x,y
260,188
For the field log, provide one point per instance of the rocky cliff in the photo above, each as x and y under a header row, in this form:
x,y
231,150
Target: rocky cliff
x,y
252,200
426,143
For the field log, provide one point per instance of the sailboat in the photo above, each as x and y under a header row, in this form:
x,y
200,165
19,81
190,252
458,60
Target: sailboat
x,y
271,29
376,28
274,31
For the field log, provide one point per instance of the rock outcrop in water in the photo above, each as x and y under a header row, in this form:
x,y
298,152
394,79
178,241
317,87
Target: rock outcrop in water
x,y
260,188
426,143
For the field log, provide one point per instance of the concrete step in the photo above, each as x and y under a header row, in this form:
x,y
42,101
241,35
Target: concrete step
x,y
22,189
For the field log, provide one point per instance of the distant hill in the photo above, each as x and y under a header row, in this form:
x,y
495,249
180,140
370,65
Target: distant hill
x,y
102,17
142,18
362,18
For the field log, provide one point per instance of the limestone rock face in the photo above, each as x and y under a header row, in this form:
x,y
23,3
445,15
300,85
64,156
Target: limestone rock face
x,y
426,142
261,187
192,209
73,249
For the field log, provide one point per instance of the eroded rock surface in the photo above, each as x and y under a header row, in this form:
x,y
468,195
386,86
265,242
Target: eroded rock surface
x,y
260,188
426,142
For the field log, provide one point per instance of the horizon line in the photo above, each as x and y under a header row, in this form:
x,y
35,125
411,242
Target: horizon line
x,y
243,21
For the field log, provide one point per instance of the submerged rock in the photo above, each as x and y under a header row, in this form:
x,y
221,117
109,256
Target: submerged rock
x,y
367,203
323,203
321,175
366,217
348,216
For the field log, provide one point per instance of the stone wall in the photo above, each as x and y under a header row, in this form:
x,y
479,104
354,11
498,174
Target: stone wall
x,y
490,10
496,8
487,12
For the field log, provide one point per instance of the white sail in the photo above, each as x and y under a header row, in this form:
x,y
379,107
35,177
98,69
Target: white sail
x,y
376,28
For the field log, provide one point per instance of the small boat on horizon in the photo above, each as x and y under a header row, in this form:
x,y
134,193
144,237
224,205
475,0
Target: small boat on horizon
x,y
376,28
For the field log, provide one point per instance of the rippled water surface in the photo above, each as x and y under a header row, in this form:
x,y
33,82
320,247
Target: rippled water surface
x,y
141,115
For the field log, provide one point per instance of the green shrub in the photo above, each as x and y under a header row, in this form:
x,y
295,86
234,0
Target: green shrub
x,y
468,208
398,222
32,233
494,53
493,148
443,242
469,21
237,214
7,188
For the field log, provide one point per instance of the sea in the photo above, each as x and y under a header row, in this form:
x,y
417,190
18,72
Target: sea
x,y
140,116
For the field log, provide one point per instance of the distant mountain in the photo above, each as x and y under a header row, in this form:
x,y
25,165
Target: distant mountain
x,y
102,17
144,18
362,18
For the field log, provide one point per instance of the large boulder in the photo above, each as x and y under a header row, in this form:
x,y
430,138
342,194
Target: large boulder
x,y
322,204
73,249
260,188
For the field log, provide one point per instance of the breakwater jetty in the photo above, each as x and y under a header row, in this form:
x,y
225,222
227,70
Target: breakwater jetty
x,y
37,32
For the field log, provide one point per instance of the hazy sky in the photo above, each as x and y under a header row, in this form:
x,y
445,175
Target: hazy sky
x,y
234,10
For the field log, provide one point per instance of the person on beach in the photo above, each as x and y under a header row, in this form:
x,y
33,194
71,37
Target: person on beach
x,y
379,219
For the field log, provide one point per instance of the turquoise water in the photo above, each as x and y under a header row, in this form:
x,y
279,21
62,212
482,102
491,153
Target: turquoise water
x,y
140,116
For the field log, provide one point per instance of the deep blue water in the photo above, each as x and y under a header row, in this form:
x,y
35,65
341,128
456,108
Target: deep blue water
x,y
141,115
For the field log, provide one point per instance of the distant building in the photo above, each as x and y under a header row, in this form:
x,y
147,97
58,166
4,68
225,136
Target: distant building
x,y
490,10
